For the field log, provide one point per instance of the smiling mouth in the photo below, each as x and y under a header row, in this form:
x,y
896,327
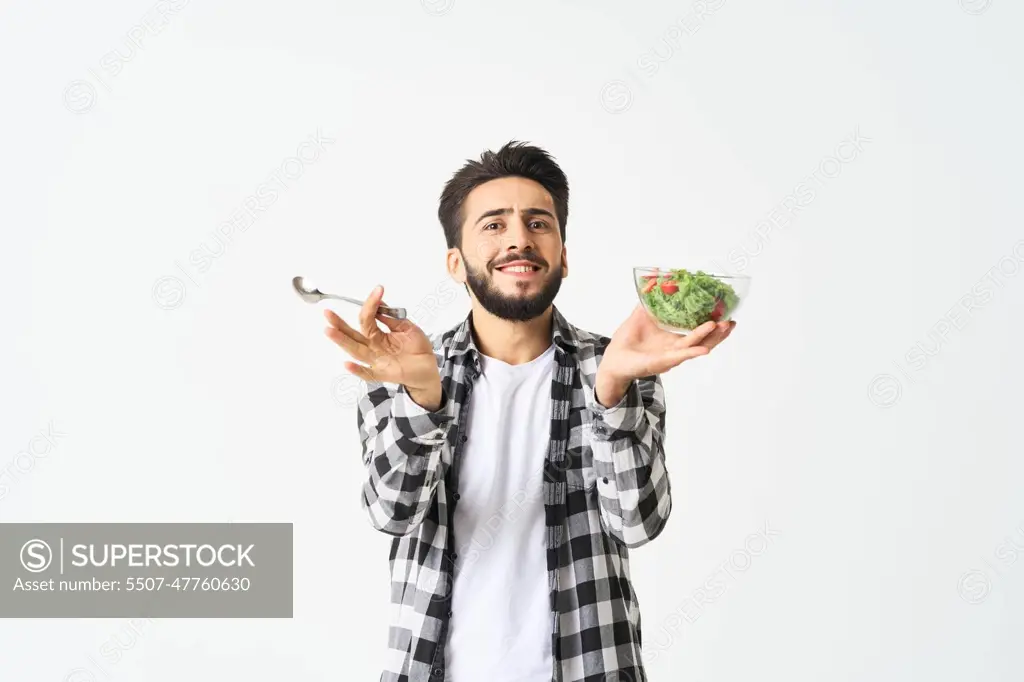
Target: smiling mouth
x,y
519,269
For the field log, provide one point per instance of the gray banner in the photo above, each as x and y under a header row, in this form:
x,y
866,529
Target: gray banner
x,y
163,570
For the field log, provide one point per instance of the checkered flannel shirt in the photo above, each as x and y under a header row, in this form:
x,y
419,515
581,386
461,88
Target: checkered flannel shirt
x,y
605,490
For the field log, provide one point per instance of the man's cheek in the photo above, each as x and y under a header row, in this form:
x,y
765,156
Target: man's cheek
x,y
484,250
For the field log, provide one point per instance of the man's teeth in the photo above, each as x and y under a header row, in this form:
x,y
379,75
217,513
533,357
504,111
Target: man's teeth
x,y
519,268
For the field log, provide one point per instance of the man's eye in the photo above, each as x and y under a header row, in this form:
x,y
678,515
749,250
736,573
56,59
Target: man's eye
x,y
490,225
538,224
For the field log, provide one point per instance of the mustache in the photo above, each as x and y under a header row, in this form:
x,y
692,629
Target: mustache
x,y
529,259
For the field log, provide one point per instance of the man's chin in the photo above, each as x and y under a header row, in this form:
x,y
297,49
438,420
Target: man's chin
x,y
509,301
517,308
519,293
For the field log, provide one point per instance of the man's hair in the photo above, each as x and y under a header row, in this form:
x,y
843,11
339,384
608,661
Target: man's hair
x,y
515,159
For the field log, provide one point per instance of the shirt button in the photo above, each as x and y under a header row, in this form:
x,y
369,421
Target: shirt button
x,y
449,614
605,480
456,497
464,438
454,556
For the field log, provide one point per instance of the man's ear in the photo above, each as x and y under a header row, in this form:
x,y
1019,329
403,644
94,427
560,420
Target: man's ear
x,y
565,264
455,265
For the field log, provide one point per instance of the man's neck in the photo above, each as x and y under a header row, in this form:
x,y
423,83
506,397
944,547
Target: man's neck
x,y
511,342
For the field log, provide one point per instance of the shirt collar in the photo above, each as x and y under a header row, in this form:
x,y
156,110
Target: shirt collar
x,y
563,335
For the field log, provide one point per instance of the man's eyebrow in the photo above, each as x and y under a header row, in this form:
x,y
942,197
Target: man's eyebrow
x,y
538,211
493,212
506,211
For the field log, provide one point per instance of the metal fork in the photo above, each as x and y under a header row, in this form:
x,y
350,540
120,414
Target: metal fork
x,y
310,294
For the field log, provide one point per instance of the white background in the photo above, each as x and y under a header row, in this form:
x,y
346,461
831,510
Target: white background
x,y
890,478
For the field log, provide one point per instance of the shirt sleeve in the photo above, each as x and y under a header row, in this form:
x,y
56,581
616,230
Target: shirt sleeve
x,y
401,446
627,441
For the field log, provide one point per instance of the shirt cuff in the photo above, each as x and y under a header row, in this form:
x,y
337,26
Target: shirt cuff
x,y
416,423
610,423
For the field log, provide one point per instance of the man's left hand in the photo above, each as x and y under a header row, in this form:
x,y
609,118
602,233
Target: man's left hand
x,y
640,348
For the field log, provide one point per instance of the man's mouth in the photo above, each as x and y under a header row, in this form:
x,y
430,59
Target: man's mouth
x,y
519,269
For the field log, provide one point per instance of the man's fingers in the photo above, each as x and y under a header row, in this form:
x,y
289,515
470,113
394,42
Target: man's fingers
x,y
716,337
697,336
720,332
393,324
685,354
357,350
728,330
364,373
343,326
368,315
700,341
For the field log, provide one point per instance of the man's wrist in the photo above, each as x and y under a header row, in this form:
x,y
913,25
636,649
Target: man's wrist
x,y
609,390
429,400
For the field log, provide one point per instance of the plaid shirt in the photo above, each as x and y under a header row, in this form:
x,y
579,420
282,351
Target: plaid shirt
x,y
605,489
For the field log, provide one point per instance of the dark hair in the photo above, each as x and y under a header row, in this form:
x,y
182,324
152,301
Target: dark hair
x,y
514,159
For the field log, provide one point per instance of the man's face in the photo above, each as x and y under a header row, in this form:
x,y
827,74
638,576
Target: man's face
x,y
512,257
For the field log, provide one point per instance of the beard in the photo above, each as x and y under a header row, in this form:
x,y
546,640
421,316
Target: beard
x,y
512,308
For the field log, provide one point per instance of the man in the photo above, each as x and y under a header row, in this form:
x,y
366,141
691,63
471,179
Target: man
x,y
515,458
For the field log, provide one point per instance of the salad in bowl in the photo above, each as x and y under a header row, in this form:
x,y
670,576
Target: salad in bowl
x,y
681,300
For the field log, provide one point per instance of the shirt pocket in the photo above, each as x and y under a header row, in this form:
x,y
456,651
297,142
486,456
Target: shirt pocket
x,y
581,478
579,473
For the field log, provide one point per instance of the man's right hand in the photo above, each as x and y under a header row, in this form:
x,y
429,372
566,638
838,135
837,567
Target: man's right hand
x,y
403,355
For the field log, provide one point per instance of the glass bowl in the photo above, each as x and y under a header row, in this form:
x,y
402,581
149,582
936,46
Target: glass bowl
x,y
681,300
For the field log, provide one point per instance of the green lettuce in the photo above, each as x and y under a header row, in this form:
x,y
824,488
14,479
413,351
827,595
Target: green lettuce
x,y
693,304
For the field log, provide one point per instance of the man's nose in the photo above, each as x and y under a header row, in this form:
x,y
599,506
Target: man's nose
x,y
517,235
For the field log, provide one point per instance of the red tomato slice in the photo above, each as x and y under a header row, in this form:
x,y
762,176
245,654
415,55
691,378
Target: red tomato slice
x,y
669,287
719,310
649,286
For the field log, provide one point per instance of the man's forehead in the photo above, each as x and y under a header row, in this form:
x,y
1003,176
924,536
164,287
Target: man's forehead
x,y
518,193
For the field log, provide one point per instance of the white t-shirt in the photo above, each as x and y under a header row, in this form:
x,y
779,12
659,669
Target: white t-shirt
x,y
500,627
